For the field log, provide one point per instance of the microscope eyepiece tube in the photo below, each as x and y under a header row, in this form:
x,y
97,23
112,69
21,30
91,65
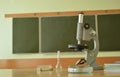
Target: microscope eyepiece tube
x,y
79,35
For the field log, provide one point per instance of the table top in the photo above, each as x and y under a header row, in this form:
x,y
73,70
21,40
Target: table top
x,y
53,73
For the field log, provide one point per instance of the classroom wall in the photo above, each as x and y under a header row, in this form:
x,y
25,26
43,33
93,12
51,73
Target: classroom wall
x,y
29,6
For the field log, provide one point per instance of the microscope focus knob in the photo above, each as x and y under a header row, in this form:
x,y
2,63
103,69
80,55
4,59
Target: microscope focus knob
x,y
86,26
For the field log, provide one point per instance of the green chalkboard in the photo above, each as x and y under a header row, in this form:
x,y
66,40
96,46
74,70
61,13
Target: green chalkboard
x,y
109,32
58,32
25,35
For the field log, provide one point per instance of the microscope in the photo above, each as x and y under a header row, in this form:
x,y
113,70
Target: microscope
x,y
85,35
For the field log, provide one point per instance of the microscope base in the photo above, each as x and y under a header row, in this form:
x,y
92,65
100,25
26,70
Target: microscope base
x,y
80,69
98,68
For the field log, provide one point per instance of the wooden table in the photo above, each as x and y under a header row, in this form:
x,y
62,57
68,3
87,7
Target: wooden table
x,y
63,73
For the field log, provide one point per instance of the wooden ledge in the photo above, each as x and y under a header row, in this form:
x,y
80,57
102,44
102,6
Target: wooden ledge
x,y
67,13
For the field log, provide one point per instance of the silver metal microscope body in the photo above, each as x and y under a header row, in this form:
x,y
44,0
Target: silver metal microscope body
x,y
86,33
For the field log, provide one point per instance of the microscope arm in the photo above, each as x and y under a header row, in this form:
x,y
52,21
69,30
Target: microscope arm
x,y
92,54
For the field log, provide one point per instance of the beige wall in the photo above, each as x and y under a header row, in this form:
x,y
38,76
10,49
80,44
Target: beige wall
x,y
17,6
27,6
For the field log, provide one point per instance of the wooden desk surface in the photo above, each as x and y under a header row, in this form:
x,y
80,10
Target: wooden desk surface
x,y
63,73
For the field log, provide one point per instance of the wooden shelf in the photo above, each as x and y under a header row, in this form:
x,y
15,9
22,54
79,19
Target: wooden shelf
x,y
67,13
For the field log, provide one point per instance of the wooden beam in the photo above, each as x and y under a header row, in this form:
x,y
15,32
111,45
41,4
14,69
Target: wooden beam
x,y
33,63
67,13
